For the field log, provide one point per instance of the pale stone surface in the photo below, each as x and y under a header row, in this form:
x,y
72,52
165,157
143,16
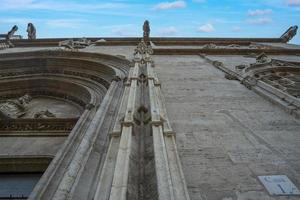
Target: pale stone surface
x,y
30,146
227,135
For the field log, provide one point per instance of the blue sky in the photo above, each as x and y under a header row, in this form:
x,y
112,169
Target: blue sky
x,y
122,18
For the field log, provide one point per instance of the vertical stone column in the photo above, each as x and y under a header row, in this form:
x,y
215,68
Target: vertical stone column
x,y
114,177
120,180
170,179
114,182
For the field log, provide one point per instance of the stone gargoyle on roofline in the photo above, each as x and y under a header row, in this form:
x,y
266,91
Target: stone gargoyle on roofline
x,y
289,34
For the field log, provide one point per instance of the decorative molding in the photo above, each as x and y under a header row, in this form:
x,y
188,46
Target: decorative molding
x,y
252,76
37,127
38,92
47,71
24,164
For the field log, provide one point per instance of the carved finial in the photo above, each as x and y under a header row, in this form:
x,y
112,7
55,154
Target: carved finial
x,y
146,29
289,34
143,51
31,31
11,33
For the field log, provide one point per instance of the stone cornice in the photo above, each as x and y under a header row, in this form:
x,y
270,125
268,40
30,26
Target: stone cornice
x,y
112,41
223,51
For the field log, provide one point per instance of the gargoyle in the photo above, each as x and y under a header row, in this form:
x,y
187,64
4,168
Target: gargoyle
x,y
289,34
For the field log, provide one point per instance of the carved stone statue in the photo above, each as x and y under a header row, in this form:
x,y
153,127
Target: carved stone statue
x,y
75,44
44,114
11,32
13,109
31,31
146,29
289,34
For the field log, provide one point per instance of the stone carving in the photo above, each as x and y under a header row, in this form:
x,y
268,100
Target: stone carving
x,y
231,77
280,63
4,45
146,29
289,34
240,67
37,125
210,46
75,44
249,82
31,31
7,43
258,46
217,63
44,114
143,49
11,33
262,59
280,74
14,108
234,46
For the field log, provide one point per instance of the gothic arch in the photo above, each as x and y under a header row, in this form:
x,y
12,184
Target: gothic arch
x,y
90,81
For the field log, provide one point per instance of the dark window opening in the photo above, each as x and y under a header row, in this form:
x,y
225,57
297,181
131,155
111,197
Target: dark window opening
x,y
17,185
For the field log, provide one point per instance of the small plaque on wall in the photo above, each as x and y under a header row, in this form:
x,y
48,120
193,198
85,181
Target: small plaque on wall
x,y
279,185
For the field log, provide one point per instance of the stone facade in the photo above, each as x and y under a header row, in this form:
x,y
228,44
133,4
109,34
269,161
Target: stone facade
x,y
151,118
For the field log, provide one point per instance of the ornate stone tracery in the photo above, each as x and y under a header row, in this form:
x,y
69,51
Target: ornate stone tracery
x,y
280,74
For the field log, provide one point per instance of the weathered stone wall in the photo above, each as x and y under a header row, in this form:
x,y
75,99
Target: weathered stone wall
x,y
30,146
227,135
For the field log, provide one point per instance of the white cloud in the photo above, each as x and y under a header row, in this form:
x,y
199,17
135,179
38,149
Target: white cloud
x,y
207,28
168,31
236,29
199,1
121,30
56,5
260,21
170,5
258,12
292,2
